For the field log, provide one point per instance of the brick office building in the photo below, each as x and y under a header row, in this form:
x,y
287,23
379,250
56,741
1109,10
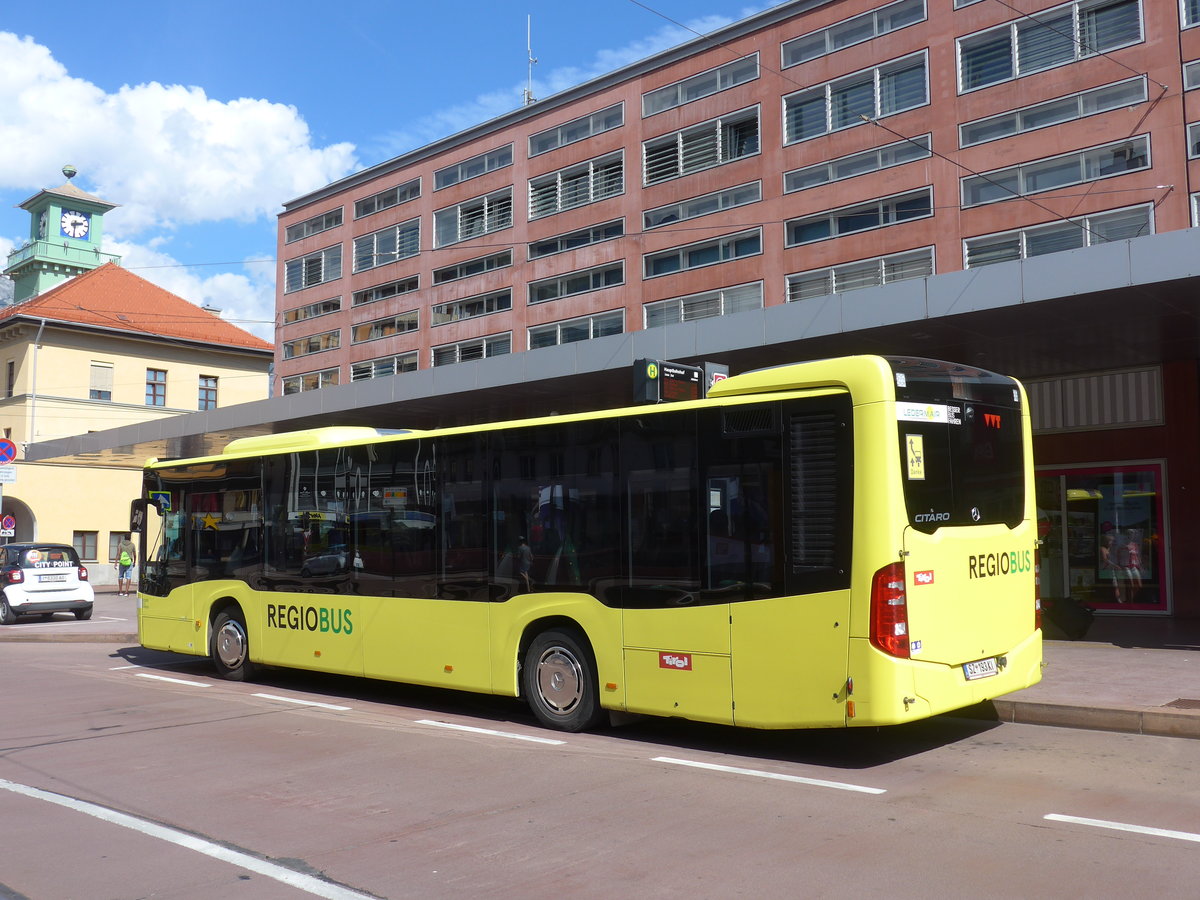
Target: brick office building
x,y
943,177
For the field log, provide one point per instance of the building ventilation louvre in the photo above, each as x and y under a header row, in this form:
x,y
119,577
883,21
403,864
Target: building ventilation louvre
x,y
814,487
1126,399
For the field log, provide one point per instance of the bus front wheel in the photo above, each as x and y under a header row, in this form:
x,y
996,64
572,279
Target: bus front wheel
x,y
559,680
230,648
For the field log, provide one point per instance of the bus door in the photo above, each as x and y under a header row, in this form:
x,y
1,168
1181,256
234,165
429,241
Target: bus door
x,y
969,553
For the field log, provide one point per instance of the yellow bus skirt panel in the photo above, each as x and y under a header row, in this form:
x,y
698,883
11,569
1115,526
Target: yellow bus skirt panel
x,y
789,661
167,623
442,643
695,686
518,620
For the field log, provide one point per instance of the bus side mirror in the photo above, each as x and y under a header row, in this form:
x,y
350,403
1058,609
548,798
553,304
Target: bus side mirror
x,y
139,507
137,516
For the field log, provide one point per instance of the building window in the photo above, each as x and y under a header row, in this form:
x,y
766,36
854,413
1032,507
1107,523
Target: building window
x,y
483,215
860,217
872,160
852,31
316,268
310,381
473,167
718,201
312,226
589,182
1053,112
381,368
1092,164
312,310
100,381
10,379
703,253
208,392
853,100
156,387
700,147
384,291
402,193
85,543
1193,137
1038,240
863,273
574,239
1191,13
471,307
584,328
385,327
723,302
577,130
1046,39
1191,74
705,84
315,343
472,267
480,348
572,283
1195,210
387,245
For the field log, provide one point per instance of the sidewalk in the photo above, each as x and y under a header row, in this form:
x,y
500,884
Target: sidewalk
x,y
1139,675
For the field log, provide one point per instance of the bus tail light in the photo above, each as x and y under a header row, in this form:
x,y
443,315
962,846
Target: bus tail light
x,y
1037,589
889,611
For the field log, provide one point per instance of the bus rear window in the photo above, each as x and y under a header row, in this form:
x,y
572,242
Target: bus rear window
x,y
962,465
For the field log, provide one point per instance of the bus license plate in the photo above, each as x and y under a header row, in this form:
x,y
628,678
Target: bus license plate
x,y
983,668
46,578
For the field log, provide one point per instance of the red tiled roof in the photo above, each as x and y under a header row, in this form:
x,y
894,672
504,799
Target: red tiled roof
x,y
112,297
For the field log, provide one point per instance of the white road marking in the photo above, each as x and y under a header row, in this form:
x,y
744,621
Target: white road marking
x,y
301,702
173,680
505,734
1121,826
816,782
299,880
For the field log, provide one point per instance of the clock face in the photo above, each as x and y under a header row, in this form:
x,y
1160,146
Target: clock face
x,y
75,224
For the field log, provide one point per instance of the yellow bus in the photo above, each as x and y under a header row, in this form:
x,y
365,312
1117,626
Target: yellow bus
x,y
843,542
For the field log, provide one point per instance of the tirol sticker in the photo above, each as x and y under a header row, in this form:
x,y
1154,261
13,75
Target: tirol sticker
x,y
925,577
682,661
915,447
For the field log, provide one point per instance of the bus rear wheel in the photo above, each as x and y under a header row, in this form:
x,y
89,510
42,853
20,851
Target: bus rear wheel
x,y
230,647
559,681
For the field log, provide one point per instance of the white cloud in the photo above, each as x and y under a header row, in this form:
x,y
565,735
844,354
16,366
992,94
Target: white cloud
x,y
169,154
246,299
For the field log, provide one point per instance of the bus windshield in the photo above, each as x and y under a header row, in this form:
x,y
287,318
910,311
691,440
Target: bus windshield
x,y
961,448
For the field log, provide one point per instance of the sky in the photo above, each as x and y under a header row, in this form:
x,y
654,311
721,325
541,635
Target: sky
x,y
202,119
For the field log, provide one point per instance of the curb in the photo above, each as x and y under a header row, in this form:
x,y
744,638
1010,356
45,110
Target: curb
x,y
1154,720
69,637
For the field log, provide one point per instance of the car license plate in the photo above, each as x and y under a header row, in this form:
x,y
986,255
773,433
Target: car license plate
x,y
46,578
983,668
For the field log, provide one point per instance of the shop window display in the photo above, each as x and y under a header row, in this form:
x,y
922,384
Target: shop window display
x,y
1102,536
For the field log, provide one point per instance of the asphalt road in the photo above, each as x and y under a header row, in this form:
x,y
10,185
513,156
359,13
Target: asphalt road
x,y
127,773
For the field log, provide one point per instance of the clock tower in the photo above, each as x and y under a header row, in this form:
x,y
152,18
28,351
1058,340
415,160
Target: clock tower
x,y
65,228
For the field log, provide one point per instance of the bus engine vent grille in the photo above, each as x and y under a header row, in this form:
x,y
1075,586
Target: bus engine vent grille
x,y
744,421
814,484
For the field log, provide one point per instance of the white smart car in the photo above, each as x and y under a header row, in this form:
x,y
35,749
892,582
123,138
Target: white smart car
x,y
42,579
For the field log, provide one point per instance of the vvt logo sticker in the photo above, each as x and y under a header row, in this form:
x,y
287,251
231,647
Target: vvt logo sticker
x,y
682,661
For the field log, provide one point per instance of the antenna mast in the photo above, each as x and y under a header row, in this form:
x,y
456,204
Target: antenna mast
x,y
529,98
